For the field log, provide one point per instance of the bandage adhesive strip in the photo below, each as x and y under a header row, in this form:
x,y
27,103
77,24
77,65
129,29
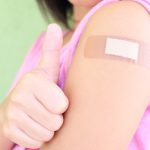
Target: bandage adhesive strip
x,y
118,48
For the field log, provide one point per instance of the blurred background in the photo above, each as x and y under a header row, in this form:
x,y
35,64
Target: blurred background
x,y
21,23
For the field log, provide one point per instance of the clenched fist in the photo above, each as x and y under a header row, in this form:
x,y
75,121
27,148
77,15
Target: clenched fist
x,y
33,109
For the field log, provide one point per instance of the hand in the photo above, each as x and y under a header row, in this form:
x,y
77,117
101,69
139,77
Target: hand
x,y
33,109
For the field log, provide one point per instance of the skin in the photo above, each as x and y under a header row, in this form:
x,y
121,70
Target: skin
x,y
84,3
10,123
20,121
95,119
78,100
80,9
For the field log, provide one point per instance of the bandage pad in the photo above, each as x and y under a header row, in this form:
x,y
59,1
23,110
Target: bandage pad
x,y
117,48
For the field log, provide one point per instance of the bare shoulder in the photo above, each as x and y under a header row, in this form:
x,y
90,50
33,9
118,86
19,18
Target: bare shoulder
x,y
123,18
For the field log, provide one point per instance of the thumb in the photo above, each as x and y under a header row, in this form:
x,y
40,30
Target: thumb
x,y
49,62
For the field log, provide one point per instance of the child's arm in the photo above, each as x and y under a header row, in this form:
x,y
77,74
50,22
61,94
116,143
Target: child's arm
x,y
122,89
107,98
31,112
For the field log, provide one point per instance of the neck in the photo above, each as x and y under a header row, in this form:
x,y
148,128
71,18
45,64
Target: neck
x,y
78,13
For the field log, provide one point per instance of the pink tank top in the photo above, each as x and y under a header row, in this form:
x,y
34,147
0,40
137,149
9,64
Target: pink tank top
x,y
141,138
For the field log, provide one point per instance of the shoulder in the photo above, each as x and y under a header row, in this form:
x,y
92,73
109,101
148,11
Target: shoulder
x,y
123,18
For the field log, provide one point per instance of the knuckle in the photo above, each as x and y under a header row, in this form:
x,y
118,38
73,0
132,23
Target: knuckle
x,y
10,114
48,137
51,135
13,97
58,122
28,78
66,105
13,115
18,119
18,99
63,107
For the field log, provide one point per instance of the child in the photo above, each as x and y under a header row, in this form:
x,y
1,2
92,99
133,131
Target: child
x,y
85,139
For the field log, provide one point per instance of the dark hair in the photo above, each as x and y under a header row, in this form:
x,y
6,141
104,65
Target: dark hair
x,y
59,9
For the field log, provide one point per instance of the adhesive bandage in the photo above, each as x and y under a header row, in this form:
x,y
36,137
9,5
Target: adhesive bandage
x,y
118,48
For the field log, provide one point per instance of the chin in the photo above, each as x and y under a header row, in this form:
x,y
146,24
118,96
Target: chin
x,y
84,3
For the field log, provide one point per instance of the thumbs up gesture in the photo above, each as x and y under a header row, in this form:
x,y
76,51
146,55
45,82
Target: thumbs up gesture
x,y
33,109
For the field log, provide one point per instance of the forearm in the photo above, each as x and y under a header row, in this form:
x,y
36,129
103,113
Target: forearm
x,y
5,144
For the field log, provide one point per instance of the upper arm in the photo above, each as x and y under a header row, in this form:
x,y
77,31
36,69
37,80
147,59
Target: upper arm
x,y
118,91
123,18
